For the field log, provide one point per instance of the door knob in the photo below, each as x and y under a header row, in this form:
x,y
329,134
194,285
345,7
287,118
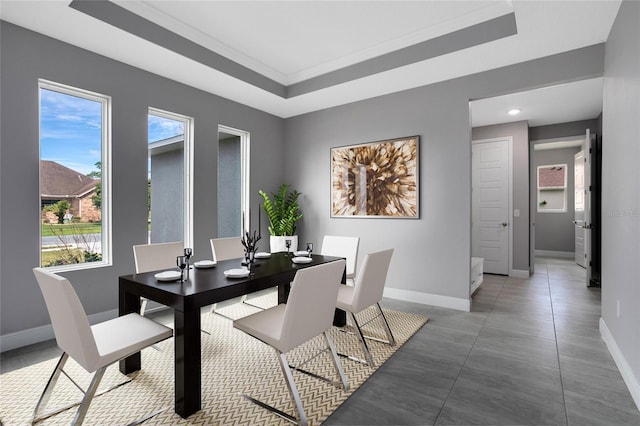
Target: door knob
x,y
504,223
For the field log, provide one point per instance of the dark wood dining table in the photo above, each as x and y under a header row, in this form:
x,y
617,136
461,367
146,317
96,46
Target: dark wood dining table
x,y
205,286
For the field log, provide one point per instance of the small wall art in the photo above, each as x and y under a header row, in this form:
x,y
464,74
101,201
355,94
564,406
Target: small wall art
x,y
376,179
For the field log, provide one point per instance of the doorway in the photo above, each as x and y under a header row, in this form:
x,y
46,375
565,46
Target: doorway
x,y
558,204
574,233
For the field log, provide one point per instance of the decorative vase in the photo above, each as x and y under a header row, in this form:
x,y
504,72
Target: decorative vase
x,y
278,243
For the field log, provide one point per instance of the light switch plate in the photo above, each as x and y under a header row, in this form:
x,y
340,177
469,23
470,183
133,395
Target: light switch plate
x,y
516,213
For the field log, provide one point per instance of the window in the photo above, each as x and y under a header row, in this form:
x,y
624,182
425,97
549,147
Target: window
x,y
75,190
169,177
233,181
552,188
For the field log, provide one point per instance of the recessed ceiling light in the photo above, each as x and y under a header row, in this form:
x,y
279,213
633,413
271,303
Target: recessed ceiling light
x,y
514,112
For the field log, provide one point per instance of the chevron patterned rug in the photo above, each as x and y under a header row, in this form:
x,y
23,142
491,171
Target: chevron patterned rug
x,y
233,364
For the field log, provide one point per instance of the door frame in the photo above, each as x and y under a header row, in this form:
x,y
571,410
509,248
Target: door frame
x,y
509,142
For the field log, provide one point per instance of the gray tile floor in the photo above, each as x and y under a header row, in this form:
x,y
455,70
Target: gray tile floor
x,y
529,353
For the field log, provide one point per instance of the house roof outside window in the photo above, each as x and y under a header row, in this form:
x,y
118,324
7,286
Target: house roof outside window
x,y
58,181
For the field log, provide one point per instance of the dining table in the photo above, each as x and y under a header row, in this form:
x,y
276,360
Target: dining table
x,y
205,286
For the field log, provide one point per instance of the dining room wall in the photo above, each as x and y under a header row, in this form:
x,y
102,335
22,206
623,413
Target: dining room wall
x,y
28,56
620,319
431,262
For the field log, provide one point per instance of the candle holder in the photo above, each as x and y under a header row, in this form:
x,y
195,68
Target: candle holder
x,y
249,242
188,252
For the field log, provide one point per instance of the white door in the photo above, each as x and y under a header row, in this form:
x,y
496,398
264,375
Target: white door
x,y
587,147
579,196
490,227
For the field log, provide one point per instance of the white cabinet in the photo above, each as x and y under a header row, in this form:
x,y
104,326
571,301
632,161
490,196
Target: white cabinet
x,y
476,273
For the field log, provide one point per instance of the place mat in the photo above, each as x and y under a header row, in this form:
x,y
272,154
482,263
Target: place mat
x,y
233,363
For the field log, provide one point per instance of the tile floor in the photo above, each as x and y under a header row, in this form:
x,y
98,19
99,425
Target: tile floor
x,y
529,353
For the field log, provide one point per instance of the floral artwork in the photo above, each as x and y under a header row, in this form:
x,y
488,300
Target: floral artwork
x,y
377,179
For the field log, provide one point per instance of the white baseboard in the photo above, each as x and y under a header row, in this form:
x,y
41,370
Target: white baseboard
x,y
428,299
44,332
552,253
519,273
625,370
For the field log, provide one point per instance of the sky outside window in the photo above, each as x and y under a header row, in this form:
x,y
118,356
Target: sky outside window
x,y
163,128
70,130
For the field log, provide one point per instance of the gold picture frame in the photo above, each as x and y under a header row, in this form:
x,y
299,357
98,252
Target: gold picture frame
x,y
376,179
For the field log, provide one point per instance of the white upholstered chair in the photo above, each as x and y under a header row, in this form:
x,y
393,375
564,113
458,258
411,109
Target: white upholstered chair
x,y
154,257
339,246
93,347
367,291
225,249
308,313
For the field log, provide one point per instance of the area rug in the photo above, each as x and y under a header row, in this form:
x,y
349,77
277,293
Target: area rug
x,y
233,364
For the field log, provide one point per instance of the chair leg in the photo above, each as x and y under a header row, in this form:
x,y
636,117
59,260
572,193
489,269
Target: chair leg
x,y
363,342
244,300
336,361
143,305
214,312
293,390
48,389
88,397
143,308
387,329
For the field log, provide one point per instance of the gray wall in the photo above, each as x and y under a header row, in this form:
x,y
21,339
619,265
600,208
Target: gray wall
x,y
431,261
556,231
621,188
431,253
563,130
27,56
519,131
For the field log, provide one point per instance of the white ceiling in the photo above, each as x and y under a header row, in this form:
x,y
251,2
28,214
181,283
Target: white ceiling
x,y
292,41
580,100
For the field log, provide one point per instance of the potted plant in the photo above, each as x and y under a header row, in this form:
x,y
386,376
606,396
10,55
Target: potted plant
x,y
283,212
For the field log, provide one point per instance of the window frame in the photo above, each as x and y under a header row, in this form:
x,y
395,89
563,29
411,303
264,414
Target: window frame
x,y
245,172
106,240
189,124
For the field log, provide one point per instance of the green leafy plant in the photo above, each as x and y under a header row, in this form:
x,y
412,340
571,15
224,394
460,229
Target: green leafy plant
x,y
97,174
283,211
59,209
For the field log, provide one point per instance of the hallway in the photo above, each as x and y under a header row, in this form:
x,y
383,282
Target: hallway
x,y
529,353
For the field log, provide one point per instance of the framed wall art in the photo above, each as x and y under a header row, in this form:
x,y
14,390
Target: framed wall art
x,y
376,179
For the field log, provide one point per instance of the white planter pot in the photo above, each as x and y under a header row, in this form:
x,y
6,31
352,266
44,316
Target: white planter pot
x,y
278,243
